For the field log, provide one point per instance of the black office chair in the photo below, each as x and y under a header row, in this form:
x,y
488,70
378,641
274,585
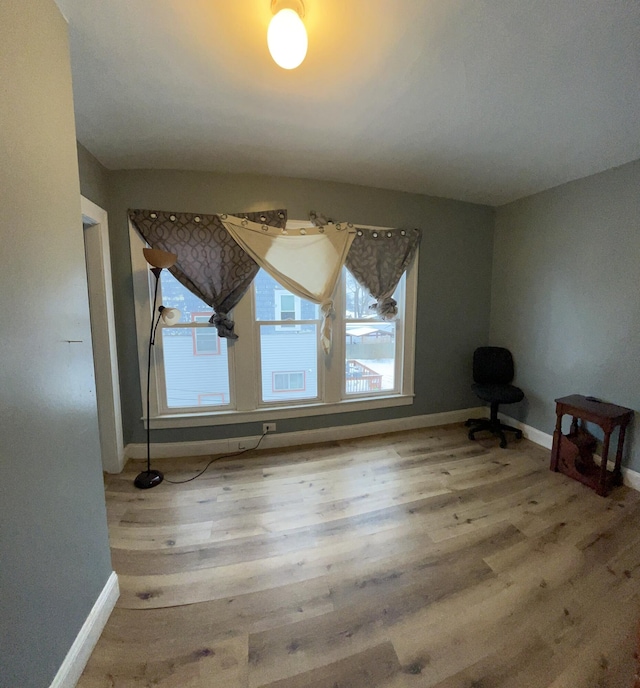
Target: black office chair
x,y
492,375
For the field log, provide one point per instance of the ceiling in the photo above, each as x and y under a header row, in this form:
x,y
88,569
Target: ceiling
x,y
479,100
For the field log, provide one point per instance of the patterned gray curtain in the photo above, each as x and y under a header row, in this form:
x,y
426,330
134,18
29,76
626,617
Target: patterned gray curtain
x,y
210,263
378,259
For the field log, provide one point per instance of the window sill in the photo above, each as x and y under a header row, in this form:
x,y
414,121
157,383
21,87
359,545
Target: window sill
x,y
191,420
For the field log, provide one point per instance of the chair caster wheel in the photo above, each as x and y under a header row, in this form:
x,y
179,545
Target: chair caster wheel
x,y
470,436
518,434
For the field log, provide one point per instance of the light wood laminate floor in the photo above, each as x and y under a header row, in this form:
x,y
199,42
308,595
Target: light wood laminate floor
x,y
400,561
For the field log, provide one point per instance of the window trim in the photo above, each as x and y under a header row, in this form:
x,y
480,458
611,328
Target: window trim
x,y
291,325
399,380
194,336
244,403
211,394
289,373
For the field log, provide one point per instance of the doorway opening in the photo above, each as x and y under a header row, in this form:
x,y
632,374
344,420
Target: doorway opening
x,y
103,334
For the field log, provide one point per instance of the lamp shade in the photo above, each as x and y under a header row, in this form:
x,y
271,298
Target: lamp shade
x,y
159,259
170,316
287,39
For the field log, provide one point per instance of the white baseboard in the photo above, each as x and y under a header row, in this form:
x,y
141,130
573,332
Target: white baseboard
x,y
630,477
537,436
167,450
78,656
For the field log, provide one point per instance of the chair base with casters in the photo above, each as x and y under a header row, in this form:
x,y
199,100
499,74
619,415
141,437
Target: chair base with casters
x,y
493,425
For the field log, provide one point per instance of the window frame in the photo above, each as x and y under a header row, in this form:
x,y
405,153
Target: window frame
x,y
209,394
289,373
244,402
292,323
400,335
213,333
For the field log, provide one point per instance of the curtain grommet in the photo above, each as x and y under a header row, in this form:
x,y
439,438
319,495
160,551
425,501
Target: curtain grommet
x,y
303,232
375,235
244,222
154,216
196,218
263,218
321,230
281,216
360,232
265,228
223,216
403,233
172,218
389,235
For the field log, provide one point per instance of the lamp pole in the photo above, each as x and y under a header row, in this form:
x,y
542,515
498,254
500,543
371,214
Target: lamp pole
x,y
150,478
158,260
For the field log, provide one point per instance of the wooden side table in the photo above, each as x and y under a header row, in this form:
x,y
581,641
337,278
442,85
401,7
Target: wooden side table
x,y
572,454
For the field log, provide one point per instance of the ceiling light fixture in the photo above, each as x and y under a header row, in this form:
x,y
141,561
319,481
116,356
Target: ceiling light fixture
x,y
287,36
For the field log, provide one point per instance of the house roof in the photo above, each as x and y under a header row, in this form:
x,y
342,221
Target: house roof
x,y
485,101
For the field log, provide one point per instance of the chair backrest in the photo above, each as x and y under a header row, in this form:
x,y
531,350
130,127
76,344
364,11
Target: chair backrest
x,y
492,365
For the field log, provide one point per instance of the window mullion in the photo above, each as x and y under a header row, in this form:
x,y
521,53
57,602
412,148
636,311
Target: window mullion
x,y
333,365
246,360
410,296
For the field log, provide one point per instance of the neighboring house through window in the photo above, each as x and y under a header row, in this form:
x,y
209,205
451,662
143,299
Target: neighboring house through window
x,y
287,307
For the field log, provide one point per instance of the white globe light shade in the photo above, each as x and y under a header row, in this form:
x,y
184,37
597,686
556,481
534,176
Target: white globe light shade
x,y
287,39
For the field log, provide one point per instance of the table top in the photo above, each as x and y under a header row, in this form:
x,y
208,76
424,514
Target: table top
x,y
601,409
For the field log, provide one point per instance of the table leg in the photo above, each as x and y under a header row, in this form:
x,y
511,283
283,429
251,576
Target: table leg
x,y
555,449
602,485
618,469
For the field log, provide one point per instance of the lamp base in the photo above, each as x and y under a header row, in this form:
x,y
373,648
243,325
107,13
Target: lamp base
x,y
148,479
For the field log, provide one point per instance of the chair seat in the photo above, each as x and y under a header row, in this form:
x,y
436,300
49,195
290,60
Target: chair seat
x,y
501,394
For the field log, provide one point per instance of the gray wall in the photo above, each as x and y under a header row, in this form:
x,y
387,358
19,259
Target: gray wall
x,y
94,178
565,299
454,278
54,554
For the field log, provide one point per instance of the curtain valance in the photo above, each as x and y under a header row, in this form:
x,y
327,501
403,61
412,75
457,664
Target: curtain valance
x,y
211,264
219,256
305,261
378,259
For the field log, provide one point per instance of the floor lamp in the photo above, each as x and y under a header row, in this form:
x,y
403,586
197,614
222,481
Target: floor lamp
x,y
170,316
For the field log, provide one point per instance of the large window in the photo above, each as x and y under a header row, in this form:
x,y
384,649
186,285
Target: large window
x,y
276,368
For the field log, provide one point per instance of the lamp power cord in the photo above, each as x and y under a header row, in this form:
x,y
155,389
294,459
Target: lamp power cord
x,y
214,459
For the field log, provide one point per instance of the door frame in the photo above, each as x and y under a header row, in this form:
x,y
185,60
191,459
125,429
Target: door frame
x,y
103,334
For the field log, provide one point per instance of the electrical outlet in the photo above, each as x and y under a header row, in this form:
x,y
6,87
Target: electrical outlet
x,y
268,427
